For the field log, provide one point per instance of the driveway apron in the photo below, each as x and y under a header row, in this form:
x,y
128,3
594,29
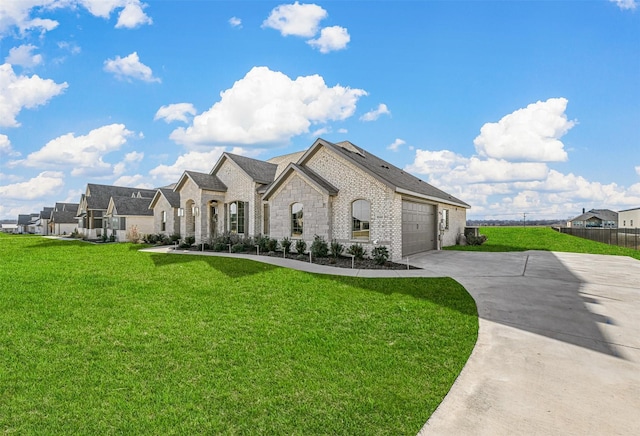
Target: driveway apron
x,y
558,349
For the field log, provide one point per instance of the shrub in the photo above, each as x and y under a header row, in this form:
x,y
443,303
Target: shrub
x,y
262,242
301,246
285,244
380,254
238,248
336,249
357,251
272,244
190,240
104,237
219,246
112,238
476,240
174,238
319,247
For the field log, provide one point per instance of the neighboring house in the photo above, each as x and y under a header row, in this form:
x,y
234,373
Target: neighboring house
x,y
337,191
595,218
9,227
166,209
629,219
63,219
128,218
94,203
34,220
42,224
23,223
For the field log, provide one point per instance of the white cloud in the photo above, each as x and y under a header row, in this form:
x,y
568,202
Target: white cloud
x,y
18,92
529,134
267,107
44,184
193,161
625,4
83,153
175,112
23,56
331,39
135,181
17,14
435,162
133,16
374,114
638,170
235,22
395,145
296,19
6,148
130,67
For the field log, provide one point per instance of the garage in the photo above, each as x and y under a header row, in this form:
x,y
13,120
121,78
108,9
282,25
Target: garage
x,y
418,227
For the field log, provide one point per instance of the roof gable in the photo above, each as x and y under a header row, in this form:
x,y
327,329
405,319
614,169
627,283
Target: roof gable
x,y
129,206
401,181
172,197
204,181
97,196
307,174
259,171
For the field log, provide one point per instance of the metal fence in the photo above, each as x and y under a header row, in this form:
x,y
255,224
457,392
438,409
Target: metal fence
x,y
629,238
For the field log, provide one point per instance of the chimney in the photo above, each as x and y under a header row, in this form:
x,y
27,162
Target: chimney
x,y
583,210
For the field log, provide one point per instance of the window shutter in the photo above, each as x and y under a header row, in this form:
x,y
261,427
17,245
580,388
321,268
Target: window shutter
x,y
226,217
246,218
123,223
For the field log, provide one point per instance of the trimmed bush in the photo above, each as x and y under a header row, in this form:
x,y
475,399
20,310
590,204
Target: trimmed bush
x,y
476,240
380,254
357,251
285,244
319,247
336,249
272,244
301,246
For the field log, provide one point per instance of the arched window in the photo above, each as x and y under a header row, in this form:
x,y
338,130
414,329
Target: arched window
x,y
360,217
297,220
236,217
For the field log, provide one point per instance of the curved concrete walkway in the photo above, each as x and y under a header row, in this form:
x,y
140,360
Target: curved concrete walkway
x,y
558,348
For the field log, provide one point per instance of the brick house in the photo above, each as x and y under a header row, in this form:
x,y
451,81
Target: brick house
x,y
166,208
94,203
335,190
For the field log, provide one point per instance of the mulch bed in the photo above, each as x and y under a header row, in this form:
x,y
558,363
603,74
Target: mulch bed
x,y
340,262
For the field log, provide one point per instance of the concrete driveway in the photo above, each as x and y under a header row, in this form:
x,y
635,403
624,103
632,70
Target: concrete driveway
x,y
558,350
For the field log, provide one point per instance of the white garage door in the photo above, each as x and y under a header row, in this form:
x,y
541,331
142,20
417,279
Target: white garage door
x,y
418,227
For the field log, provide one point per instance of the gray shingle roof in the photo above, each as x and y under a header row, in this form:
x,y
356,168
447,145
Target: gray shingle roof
x,y
260,171
66,207
389,173
23,220
64,216
101,194
45,213
601,214
172,197
207,181
132,206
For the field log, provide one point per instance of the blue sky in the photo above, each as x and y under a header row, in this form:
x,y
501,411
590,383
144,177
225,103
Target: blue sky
x,y
515,107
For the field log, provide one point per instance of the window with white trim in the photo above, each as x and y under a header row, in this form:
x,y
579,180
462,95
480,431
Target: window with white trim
x,y
360,218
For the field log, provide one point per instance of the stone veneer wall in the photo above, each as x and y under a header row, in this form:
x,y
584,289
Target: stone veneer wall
x,y
173,220
201,198
315,209
353,184
240,187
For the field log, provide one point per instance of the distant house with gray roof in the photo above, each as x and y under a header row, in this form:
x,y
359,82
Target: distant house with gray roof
x,y
94,203
629,218
63,219
335,190
129,218
595,218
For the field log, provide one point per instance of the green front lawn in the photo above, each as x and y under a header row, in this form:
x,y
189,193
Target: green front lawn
x,y
103,339
542,238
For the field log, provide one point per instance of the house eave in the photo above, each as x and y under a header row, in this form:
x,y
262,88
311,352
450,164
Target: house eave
x,y
431,198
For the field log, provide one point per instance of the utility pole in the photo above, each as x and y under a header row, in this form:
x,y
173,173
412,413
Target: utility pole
x,y
524,220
